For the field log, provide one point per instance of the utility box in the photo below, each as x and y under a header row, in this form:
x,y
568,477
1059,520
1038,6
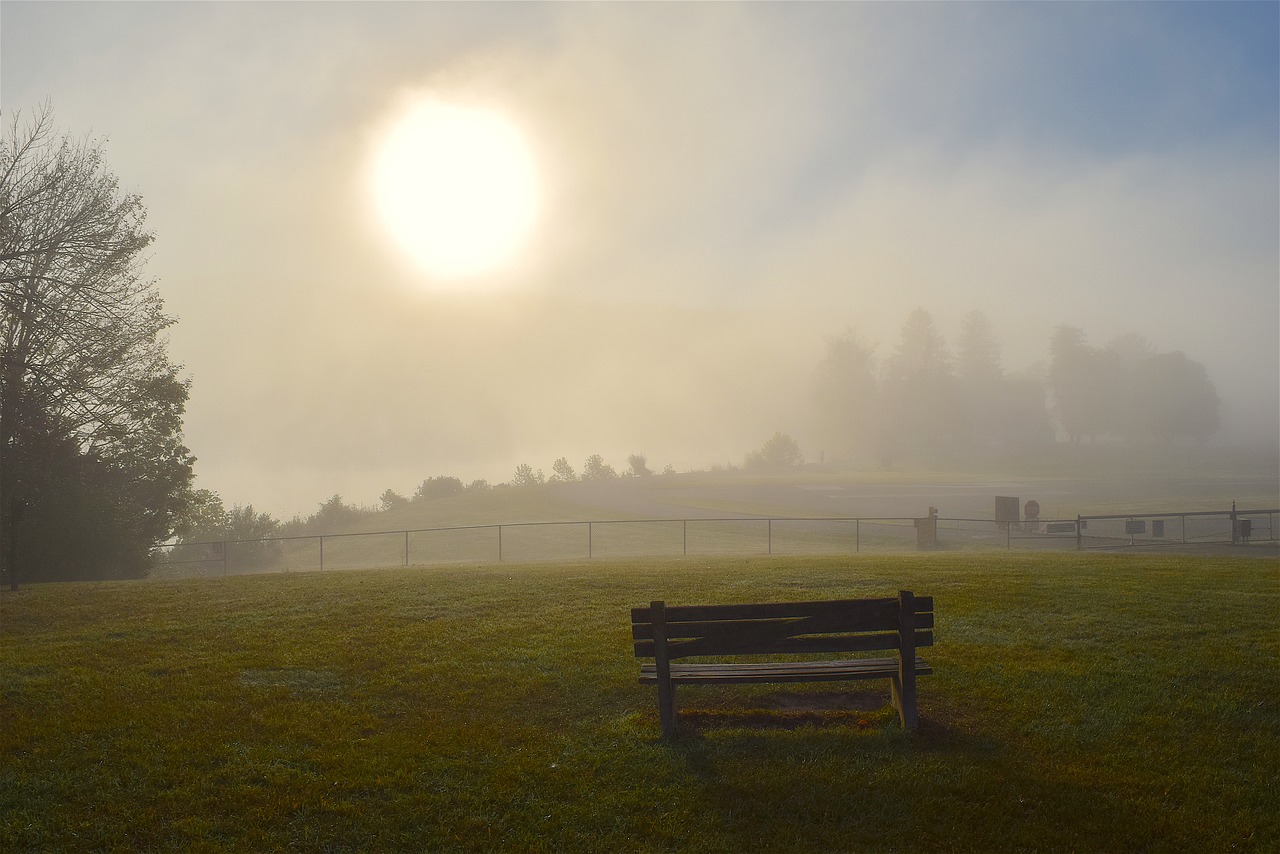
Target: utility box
x,y
1157,527
1135,526
1241,530
927,531
1007,511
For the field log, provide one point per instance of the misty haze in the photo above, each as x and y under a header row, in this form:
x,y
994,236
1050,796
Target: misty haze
x,y
539,313
702,227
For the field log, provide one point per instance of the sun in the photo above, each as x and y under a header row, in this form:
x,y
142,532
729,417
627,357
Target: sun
x,y
456,188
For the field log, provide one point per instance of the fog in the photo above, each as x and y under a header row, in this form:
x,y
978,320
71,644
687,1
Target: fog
x,y
725,187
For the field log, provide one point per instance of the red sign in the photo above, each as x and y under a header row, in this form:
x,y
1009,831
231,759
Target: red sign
x,y
1033,509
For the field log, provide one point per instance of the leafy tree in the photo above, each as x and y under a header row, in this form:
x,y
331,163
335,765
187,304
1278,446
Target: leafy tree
x,y
1071,367
526,476
919,385
203,519
390,500
668,469
1173,397
90,406
978,353
438,487
780,451
563,472
991,404
595,468
207,528
334,516
478,485
637,466
847,397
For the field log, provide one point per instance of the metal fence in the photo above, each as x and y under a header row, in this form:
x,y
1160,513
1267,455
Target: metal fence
x,y
562,541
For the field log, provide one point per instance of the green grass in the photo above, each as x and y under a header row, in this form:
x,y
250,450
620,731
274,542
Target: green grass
x,y
1079,702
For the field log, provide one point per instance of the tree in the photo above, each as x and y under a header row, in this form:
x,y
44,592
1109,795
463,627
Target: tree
x,y
595,468
1075,382
240,539
847,397
637,466
780,451
334,516
563,472
438,487
983,393
390,500
90,406
1168,397
526,476
978,354
920,385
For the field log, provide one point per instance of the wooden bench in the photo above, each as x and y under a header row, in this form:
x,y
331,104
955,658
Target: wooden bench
x,y
667,633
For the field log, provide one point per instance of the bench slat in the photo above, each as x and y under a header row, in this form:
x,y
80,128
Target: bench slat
x,y
848,608
828,643
781,671
819,625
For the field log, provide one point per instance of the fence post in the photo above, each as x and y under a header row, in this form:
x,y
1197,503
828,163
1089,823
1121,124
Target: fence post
x,y
224,557
857,536
406,548
499,544
588,541
322,554
684,543
1079,536
770,536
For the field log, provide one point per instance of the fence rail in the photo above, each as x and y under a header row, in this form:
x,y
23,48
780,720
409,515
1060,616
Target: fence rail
x,y
622,538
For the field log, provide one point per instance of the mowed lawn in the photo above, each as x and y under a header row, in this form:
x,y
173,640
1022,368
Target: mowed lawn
x,y
1079,703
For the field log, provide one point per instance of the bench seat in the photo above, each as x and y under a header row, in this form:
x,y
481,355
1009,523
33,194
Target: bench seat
x,y
780,671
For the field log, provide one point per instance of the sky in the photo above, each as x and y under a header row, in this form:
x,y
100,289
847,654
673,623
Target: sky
x,y
722,187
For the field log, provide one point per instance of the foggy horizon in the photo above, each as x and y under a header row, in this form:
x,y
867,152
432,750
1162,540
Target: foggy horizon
x,y
721,189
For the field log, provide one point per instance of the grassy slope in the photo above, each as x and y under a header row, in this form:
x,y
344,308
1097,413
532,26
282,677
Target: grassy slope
x,y
1170,479
1079,703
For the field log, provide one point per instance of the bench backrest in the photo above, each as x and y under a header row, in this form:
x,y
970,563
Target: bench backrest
x,y
847,625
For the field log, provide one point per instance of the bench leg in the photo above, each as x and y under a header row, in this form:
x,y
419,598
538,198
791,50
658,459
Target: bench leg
x,y
905,701
667,707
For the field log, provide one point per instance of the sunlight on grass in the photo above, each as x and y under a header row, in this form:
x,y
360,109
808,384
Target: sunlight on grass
x,y
1089,702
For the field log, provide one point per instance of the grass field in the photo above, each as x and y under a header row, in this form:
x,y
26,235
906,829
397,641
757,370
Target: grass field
x,y
1079,703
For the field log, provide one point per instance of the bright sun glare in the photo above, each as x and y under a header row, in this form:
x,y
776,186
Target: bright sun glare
x,y
455,186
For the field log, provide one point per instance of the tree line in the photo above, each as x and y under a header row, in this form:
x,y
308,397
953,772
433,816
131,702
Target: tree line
x,y
922,397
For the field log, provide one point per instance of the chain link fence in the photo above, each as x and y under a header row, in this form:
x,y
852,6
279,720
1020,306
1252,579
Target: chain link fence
x,y
561,541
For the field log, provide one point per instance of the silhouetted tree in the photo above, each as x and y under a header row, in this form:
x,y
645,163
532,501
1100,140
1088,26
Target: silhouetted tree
x,y
90,406
1079,381
637,466
919,386
847,398
390,500
207,528
563,472
526,476
438,487
780,451
978,353
595,468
